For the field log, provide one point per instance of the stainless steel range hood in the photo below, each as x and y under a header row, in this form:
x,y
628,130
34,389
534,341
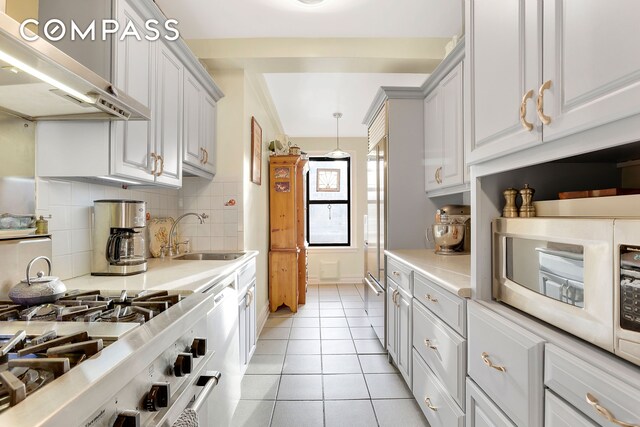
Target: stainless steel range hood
x,y
40,82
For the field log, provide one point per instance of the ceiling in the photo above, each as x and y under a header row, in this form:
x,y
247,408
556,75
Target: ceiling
x,y
317,60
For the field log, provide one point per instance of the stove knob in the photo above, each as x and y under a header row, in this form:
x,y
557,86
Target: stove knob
x,y
183,364
127,419
199,347
158,397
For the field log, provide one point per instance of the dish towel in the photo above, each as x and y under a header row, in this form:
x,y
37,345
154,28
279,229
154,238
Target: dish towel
x,y
188,418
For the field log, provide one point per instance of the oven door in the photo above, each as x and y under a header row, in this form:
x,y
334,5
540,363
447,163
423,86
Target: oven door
x,y
559,270
374,304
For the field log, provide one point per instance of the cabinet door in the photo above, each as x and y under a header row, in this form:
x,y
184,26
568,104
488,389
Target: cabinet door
x,y
168,117
450,89
503,62
251,323
392,315
209,128
242,331
405,341
481,411
433,150
193,93
592,58
558,413
132,141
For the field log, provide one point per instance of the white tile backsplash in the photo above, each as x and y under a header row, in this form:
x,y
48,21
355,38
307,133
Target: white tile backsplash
x,y
69,203
221,229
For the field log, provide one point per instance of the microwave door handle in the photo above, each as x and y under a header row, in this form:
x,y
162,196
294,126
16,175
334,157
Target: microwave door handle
x,y
209,381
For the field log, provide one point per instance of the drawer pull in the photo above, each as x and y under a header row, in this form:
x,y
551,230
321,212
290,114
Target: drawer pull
x,y
540,103
427,401
523,111
396,273
430,345
605,413
489,363
428,297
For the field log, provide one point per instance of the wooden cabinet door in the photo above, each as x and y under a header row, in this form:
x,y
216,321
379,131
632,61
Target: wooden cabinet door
x,y
168,117
132,141
592,58
404,339
432,140
192,150
503,62
209,129
283,212
450,89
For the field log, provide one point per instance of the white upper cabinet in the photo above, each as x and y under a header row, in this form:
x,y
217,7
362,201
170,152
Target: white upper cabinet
x,y
503,72
592,59
444,141
541,70
199,129
132,141
168,117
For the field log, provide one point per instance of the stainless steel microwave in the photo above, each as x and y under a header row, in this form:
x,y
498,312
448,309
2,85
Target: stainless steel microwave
x,y
579,274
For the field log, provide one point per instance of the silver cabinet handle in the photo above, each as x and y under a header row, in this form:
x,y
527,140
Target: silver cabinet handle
x,y
209,381
605,413
372,286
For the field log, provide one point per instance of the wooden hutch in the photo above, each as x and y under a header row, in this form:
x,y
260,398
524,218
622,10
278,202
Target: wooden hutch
x,y
288,246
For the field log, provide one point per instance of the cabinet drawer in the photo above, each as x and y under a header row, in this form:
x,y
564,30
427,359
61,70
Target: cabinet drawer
x,y
442,349
443,304
399,273
558,413
428,391
246,274
505,360
573,379
481,411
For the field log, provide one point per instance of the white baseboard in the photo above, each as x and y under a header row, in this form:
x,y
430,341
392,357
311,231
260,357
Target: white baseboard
x,y
262,318
341,281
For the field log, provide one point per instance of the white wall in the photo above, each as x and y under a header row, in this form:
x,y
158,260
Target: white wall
x,y
350,260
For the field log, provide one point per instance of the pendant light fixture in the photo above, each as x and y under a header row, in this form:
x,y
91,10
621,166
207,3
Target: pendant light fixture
x,y
337,153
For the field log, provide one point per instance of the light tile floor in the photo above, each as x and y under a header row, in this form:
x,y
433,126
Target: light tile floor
x,y
324,367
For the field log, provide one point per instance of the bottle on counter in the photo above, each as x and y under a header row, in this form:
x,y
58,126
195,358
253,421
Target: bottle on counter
x,y
42,225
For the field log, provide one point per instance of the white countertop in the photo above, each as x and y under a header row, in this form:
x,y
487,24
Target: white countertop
x,y
452,272
164,274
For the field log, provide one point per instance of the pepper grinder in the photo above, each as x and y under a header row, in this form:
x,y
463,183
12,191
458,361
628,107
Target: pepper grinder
x,y
510,209
527,210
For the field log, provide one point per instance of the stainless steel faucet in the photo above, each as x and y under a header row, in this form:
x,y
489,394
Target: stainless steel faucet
x,y
173,247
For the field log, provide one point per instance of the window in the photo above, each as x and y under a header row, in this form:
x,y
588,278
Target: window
x,y
329,202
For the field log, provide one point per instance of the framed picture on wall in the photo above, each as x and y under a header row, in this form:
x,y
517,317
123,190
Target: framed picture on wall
x,y
256,152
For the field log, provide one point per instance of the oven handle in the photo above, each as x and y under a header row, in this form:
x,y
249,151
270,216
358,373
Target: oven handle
x,y
209,381
372,286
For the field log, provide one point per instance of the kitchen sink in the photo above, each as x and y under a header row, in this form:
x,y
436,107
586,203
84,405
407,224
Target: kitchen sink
x,y
210,256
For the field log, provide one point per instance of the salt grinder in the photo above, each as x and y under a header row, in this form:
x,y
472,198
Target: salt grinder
x,y
527,210
510,209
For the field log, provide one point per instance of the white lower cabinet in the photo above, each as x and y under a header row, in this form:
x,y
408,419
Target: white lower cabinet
x,y
506,361
558,413
247,313
399,328
433,398
481,411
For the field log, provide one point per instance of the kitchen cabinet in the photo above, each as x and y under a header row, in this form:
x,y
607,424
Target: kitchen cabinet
x,y
168,117
481,411
552,76
506,361
558,413
247,312
199,129
399,340
287,273
444,142
154,73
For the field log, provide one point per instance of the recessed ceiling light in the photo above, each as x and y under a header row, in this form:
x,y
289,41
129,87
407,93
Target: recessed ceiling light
x,y
311,2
